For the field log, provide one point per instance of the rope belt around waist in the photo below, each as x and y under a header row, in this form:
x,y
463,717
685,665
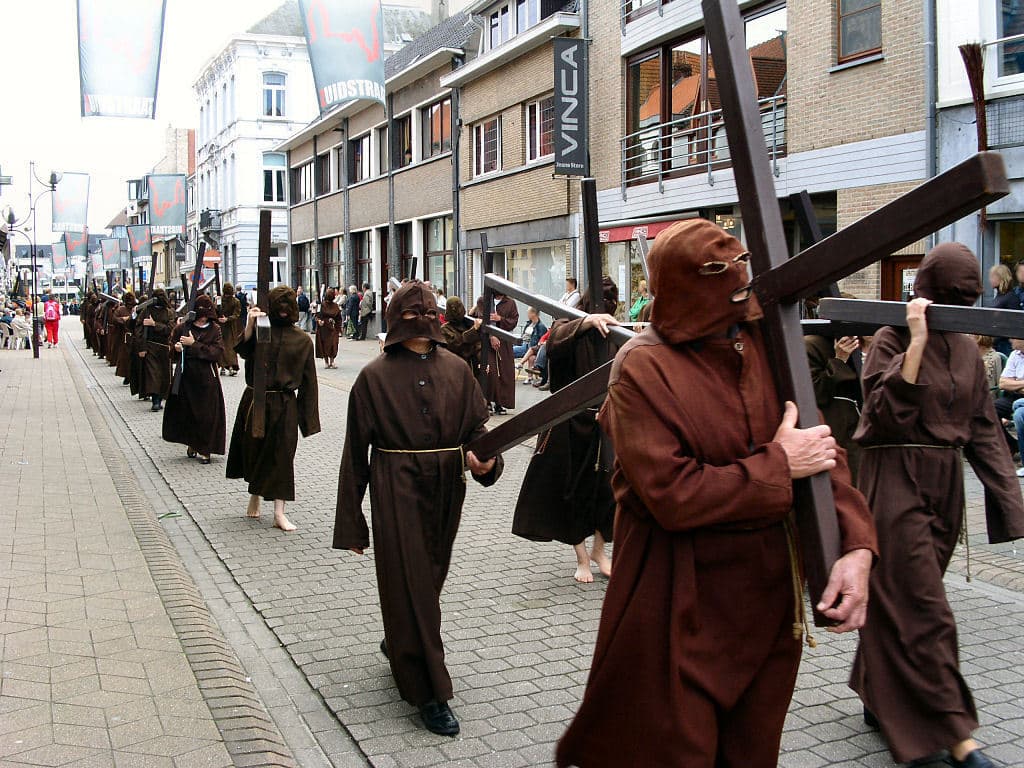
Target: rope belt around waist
x,y
912,445
276,391
460,450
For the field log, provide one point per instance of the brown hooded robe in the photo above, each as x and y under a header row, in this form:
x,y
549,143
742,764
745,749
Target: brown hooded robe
x,y
231,328
907,669
195,416
838,394
461,336
156,365
412,414
126,333
267,463
566,494
501,362
328,328
697,652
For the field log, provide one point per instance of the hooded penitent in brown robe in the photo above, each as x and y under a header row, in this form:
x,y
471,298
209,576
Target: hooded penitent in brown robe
x,y
501,389
267,463
231,328
915,437
838,394
328,327
195,416
567,494
412,413
461,336
125,331
156,365
697,652
85,317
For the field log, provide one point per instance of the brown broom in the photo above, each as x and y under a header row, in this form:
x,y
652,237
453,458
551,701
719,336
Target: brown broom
x,y
974,61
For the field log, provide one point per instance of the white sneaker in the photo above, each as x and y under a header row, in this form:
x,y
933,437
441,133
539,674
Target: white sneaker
x,y
1020,472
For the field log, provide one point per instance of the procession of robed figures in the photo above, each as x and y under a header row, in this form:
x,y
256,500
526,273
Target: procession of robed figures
x,y
696,445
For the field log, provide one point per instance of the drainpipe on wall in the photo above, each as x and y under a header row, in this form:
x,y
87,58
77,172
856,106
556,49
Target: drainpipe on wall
x,y
394,261
347,258
930,97
460,287
316,218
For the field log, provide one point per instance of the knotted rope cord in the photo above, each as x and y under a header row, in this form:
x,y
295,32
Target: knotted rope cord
x,y
801,629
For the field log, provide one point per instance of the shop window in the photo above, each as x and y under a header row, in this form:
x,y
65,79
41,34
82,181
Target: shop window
x,y
540,129
403,239
361,256
859,28
436,128
439,267
383,152
487,147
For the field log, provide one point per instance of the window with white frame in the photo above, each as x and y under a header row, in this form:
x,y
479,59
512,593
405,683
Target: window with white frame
x,y
202,125
499,25
273,94
383,150
527,14
1010,23
274,164
540,129
509,19
487,147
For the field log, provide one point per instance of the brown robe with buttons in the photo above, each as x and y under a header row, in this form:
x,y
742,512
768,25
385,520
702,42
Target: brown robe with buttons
x,y
405,401
696,656
907,670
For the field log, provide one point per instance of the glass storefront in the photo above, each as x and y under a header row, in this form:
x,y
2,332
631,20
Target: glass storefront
x,y
438,239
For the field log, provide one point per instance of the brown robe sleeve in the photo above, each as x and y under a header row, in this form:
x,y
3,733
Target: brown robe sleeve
x,y
681,492
350,530
509,313
478,416
245,347
308,395
562,336
209,344
856,524
891,404
990,459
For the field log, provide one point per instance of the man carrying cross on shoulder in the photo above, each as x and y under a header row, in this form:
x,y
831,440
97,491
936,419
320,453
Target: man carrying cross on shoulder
x,y
699,642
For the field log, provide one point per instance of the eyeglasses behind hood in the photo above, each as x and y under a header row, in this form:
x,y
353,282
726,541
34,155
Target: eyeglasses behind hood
x,y
700,282
412,314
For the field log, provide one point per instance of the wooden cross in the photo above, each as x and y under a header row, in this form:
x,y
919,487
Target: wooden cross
x,y
259,376
781,282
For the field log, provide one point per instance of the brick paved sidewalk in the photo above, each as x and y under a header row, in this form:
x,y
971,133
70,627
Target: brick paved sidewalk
x,y
518,632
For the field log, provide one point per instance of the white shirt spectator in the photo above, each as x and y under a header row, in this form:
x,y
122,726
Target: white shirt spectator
x,y
1014,366
570,299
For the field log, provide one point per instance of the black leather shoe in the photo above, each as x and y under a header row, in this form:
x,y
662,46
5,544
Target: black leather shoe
x,y
438,718
975,759
384,648
870,720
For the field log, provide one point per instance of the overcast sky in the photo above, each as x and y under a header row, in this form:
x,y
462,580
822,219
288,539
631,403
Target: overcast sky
x,y
40,117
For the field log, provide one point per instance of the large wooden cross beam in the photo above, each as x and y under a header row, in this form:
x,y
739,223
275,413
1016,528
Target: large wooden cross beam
x,y
1007,323
259,376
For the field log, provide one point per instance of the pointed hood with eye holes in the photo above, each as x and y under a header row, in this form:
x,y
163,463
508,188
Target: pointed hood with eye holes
x,y
414,296
454,310
949,274
205,308
689,303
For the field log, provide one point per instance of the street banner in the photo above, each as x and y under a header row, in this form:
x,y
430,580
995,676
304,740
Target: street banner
x,y
76,244
60,256
119,56
71,202
166,204
572,150
344,42
97,264
141,244
110,253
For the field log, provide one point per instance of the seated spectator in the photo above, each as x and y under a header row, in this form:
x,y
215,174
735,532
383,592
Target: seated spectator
x,y
1011,384
531,334
22,327
642,300
540,366
992,360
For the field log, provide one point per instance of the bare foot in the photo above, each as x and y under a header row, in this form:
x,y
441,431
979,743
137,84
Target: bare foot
x,y
254,507
583,574
603,563
282,522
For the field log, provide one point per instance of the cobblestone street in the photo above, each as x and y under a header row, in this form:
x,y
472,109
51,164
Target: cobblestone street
x,y
519,633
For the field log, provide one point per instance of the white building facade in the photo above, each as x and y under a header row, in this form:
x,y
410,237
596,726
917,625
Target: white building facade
x,y
257,91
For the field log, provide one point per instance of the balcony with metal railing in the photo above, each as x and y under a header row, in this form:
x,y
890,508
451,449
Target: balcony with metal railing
x,y
210,220
629,10
693,145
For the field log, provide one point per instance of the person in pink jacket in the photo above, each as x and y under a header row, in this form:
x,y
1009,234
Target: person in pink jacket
x,y
51,316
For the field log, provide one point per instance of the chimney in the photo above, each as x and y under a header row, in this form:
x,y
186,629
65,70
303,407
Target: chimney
x,y
438,11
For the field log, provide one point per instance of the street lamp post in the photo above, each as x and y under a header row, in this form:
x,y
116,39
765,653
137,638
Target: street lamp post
x,y
18,227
